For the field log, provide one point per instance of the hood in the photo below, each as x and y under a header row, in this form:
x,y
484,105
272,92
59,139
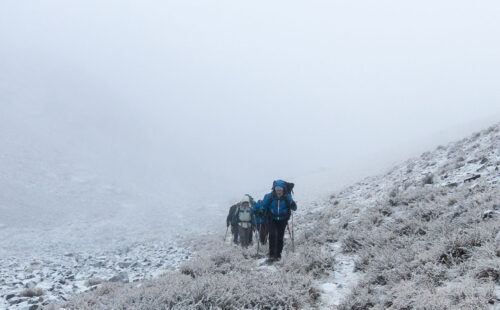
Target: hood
x,y
279,183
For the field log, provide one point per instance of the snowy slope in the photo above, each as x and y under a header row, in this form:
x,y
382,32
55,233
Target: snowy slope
x,y
424,235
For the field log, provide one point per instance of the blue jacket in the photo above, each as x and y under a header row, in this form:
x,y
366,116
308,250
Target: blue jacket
x,y
260,219
278,208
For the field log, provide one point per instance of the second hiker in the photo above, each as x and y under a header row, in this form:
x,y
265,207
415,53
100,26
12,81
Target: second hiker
x,y
260,222
243,219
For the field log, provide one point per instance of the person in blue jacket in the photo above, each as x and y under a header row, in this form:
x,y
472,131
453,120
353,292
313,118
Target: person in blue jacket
x,y
260,222
278,206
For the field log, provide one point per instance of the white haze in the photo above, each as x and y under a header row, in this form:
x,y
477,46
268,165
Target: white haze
x,y
159,111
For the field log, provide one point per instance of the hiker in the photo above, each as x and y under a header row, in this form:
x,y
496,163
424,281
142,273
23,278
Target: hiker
x,y
260,222
252,204
243,219
230,216
229,221
278,206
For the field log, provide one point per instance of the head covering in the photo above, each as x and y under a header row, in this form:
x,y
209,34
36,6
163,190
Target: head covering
x,y
245,199
279,183
278,188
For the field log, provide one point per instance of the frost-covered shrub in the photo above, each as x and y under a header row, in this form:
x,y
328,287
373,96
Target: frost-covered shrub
x,y
224,279
351,243
310,261
31,292
361,298
428,179
431,247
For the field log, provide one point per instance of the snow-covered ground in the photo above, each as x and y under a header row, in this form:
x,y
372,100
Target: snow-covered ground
x,y
466,174
60,276
345,243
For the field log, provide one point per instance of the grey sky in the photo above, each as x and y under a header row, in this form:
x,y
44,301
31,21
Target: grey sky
x,y
168,95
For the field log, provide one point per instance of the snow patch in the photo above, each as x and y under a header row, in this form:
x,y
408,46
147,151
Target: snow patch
x,y
341,281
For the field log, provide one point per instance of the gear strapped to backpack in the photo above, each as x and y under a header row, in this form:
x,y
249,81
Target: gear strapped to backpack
x,y
288,186
245,216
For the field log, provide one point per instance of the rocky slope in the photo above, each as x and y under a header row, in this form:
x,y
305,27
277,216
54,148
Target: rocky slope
x,y
425,235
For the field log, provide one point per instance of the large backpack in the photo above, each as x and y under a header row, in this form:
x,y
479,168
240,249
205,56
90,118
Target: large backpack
x,y
245,216
288,186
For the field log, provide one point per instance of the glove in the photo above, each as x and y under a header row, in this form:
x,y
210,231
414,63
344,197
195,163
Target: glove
x,y
253,228
232,229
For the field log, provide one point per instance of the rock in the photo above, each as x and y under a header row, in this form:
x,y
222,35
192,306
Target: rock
x,y
9,296
124,264
93,281
16,301
98,264
472,178
488,214
30,284
121,277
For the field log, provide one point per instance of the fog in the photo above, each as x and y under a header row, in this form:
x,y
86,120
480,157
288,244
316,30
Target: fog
x,y
194,103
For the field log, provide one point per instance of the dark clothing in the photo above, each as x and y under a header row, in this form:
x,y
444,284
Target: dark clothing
x,y
235,234
276,234
245,235
263,231
229,220
230,216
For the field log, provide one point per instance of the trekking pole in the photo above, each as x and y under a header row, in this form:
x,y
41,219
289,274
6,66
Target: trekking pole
x,y
293,243
258,241
226,233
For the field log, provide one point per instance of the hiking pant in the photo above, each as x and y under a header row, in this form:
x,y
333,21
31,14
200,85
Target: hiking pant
x,y
235,234
263,230
276,234
245,234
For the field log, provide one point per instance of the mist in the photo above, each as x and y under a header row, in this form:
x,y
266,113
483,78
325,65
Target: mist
x,y
169,108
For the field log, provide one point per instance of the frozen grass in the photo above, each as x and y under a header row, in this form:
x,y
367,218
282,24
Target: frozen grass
x,y
424,244
423,236
224,279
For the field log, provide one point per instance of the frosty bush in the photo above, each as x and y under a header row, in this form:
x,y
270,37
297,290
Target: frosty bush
x,y
429,247
223,279
32,292
429,179
312,261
